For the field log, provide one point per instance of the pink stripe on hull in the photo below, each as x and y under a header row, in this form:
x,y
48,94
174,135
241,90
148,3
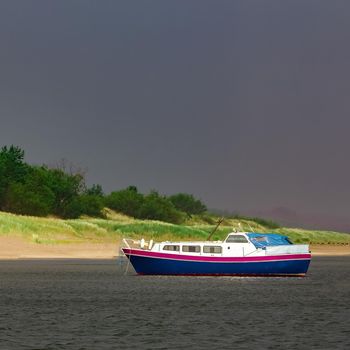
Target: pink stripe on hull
x,y
149,254
301,275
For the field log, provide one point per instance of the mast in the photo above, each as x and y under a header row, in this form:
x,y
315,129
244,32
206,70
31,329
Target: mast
x,y
216,227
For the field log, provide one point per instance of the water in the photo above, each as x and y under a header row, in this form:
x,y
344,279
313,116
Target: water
x,y
70,304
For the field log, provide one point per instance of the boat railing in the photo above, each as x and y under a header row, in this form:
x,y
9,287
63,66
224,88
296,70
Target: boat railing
x,y
137,244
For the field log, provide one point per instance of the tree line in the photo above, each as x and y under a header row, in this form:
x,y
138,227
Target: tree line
x,y
41,191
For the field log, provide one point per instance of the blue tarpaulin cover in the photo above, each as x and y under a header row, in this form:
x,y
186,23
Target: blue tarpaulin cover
x,y
261,240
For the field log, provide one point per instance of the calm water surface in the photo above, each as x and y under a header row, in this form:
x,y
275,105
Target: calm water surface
x,y
76,304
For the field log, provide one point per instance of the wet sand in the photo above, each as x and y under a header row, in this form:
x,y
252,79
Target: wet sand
x,y
17,248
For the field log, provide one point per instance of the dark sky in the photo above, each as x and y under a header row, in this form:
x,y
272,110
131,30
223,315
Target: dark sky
x,y
242,103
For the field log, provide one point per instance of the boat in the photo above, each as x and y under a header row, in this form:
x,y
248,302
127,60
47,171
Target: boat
x,y
240,254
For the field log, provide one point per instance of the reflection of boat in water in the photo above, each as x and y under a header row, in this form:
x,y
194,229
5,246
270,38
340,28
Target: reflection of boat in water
x,y
242,253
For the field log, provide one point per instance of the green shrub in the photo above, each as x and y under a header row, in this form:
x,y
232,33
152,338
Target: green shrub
x,y
187,203
95,190
91,205
127,201
32,197
156,207
66,188
13,169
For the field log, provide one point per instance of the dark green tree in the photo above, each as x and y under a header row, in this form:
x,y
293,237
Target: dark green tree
x,y
13,169
91,205
127,201
95,190
187,203
157,207
32,196
66,188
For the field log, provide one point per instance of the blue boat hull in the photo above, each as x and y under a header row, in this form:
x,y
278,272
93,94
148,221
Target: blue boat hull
x,y
153,266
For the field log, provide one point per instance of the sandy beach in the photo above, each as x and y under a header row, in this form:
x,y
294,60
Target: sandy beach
x,y
17,248
330,250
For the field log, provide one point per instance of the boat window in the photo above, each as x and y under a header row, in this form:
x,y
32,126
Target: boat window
x,y
173,248
212,249
236,239
191,248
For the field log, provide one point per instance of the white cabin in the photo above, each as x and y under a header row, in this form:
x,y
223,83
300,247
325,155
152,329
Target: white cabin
x,y
236,244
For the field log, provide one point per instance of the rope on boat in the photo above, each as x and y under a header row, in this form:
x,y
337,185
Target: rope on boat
x,y
128,257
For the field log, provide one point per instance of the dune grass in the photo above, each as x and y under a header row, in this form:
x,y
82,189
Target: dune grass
x,y
117,226
315,236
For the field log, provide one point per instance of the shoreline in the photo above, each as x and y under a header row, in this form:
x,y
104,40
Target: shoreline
x,y
14,248
330,250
